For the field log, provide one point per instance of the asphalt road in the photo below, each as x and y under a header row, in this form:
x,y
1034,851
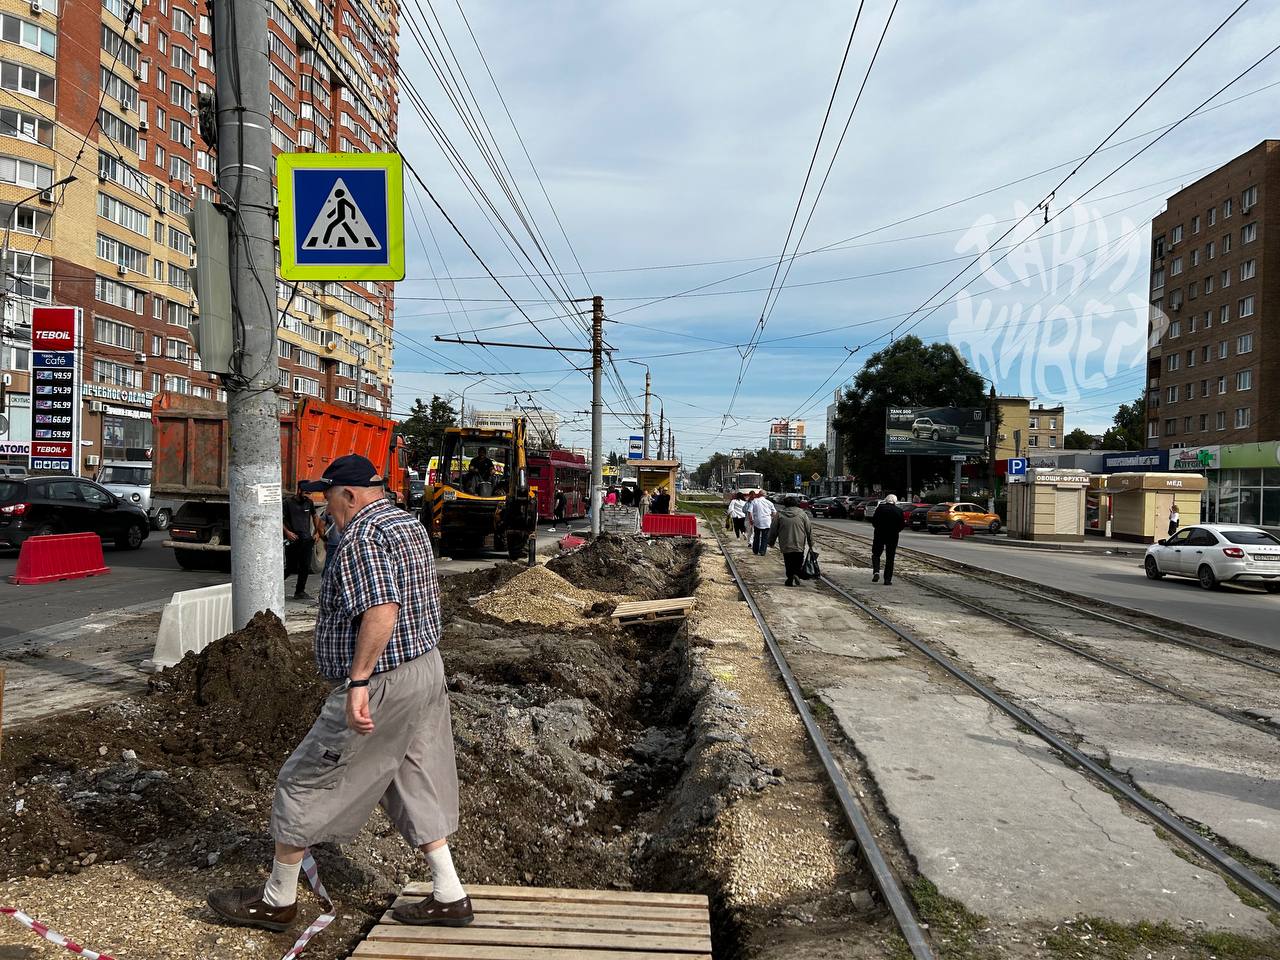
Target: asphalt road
x,y
146,578
1242,612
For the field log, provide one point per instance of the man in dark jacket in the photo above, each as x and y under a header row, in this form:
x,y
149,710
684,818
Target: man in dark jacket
x,y
792,531
887,522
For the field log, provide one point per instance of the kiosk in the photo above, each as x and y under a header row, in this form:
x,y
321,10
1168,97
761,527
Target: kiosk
x,y
1141,503
1097,506
1048,505
654,474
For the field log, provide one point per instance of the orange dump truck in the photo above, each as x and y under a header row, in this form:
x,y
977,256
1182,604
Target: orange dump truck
x,y
190,463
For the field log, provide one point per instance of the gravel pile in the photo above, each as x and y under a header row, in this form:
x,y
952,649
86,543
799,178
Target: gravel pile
x,y
541,597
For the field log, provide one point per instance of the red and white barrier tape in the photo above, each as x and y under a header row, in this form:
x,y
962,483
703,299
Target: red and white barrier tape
x,y
308,867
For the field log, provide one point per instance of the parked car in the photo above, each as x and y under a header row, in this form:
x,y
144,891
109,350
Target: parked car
x,y
858,510
944,516
8,472
828,507
1218,553
39,506
131,480
918,517
416,494
927,429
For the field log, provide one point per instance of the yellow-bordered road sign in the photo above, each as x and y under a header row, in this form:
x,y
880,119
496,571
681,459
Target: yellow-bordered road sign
x,y
341,216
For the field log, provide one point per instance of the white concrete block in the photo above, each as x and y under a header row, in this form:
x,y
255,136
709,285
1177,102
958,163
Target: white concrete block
x,y
190,622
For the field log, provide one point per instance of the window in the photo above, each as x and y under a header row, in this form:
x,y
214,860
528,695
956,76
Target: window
x,y
1208,284
1225,279
162,41
1053,423
204,25
179,314
183,22
282,111
177,350
308,386
1193,290
26,80
156,383
1053,441
181,96
121,213
115,334
118,294
180,132
179,169
1246,308
115,86
176,384
27,34
1171,394
1248,199
1204,417
1222,385
1226,210
1224,313
1033,441
179,241
1172,362
1249,232
1195,257
122,254
1222,349
1175,330
1175,300
1244,343
1226,244
1153,428
182,59
283,81
1248,269
157,308
1170,427
179,204
1220,420
1195,224
1244,380
119,49
1209,249
1157,279
1189,391
118,129
1243,417
1175,267
25,126
178,277
306,358
1191,358
1204,388
157,344
283,379
281,49
104,371
1207,354
1175,235
112,168
1186,424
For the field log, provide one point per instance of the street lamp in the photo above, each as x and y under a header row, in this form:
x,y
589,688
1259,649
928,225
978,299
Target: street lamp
x,y
648,427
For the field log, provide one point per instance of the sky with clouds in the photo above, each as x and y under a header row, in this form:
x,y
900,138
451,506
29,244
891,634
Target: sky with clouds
x,y
673,140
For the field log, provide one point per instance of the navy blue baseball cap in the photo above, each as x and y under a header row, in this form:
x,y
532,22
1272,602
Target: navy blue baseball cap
x,y
352,470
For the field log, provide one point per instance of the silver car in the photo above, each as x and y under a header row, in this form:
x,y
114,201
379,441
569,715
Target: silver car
x,y
131,480
1218,553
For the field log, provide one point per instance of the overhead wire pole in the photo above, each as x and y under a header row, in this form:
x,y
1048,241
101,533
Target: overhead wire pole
x,y
244,179
597,412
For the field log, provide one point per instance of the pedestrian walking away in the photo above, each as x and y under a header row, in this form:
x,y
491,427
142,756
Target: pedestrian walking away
x,y
1174,520
559,505
887,522
761,511
301,527
738,514
383,736
793,533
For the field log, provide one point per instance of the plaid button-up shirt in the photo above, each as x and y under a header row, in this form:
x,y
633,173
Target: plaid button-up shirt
x,y
384,557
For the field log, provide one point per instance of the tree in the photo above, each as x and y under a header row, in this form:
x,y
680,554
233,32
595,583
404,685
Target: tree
x,y
1079,439
1129,432
423,430
907,373
710,470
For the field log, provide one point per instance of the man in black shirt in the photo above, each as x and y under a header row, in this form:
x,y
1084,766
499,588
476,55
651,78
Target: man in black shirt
x,y
300,529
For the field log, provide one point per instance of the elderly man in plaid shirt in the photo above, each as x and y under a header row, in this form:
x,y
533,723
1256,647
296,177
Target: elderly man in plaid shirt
x,y
383,735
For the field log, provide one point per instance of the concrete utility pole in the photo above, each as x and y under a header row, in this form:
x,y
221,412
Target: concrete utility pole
x,y
648,423
662,428
597,413
671,444
244,179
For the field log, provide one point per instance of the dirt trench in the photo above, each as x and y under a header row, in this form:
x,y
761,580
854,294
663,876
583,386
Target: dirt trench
x,y
577,748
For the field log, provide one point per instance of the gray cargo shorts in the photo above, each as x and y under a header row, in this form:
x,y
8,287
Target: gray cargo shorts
x,y
330,784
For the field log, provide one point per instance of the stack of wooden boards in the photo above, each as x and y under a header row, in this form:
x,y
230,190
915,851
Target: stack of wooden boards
x,y
531,923
652,611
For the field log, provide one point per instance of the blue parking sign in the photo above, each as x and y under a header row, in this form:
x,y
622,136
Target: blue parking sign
x,y
1016,467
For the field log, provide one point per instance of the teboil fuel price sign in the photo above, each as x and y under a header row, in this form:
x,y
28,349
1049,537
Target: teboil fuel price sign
x,y
55,395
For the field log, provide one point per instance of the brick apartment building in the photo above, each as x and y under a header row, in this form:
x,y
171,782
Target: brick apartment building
x,y
109,95
1213,369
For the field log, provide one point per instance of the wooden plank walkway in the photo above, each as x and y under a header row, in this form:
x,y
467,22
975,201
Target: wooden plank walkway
x,y
536,923
652,611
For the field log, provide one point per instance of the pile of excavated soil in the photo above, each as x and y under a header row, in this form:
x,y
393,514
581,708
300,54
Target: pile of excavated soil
x,y
644,568
539,596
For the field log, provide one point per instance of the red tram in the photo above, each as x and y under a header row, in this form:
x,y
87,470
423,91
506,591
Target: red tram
x,y
552,470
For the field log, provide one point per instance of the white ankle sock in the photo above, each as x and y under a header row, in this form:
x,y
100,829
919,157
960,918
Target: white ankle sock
x,y
444,880
282,887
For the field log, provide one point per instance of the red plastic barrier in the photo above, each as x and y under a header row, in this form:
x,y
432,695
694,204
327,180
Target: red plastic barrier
x,y
960,531
570,542
669,525
63,556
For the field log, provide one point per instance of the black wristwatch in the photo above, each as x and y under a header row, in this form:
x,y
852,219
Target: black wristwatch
x,y
357,683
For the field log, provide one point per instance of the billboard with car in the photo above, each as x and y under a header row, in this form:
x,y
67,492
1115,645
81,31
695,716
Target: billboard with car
x,y
935,431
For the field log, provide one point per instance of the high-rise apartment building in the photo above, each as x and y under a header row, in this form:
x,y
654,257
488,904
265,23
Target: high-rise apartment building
x,y
1213,364
110,96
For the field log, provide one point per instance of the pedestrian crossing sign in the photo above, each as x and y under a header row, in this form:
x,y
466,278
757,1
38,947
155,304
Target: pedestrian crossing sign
x,y
341,216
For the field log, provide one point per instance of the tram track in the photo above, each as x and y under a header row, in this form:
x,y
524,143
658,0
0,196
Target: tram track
x,y
1102,775
1024,626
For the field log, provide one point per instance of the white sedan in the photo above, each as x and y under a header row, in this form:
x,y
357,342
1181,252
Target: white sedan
x,y
1218,553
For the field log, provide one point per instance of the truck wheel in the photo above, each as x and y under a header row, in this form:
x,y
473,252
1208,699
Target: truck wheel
x,y
162,519
187,559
